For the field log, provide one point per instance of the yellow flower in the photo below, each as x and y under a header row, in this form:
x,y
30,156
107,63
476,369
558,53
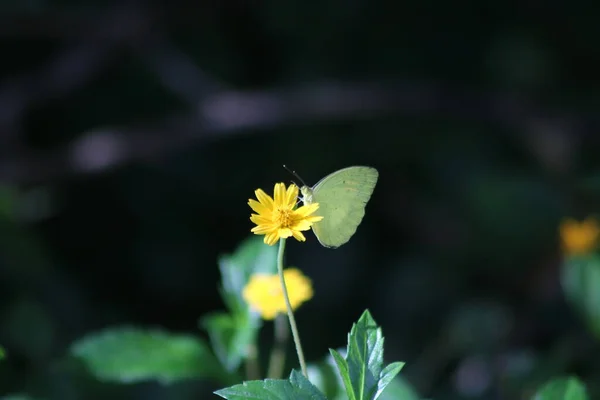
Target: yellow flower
x,y
278,218
579,237
264,292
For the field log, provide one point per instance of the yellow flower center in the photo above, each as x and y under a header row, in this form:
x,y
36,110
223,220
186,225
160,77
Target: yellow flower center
x,y
284,217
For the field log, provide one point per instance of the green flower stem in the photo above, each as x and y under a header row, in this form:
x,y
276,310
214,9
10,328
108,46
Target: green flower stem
x,y
252,366
290,312
277,360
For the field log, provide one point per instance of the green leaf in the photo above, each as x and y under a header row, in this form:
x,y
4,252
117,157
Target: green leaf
x,y
387,374
344,372
399,389
325,376
569,388
2,353
232,334
297,387
252,256
362,370
580,278
128,355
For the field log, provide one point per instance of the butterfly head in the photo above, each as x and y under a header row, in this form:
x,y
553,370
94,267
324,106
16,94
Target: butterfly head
x,y
305,190
307,194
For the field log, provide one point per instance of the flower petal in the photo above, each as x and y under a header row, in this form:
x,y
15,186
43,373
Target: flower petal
x,y
279,195
261,220
264,198
259,207
285,232
307,209
264,295
269,314
302,225
313,219
291,195
298,236
262,229
272,238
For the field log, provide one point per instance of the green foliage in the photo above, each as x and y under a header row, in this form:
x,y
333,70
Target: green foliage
x,y
297,387
231,333
326,377
251,257
581,282
129,355
2,353
361,373
362,370
569,388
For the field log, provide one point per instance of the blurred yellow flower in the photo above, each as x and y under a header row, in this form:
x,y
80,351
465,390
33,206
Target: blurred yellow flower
x,y
264,292
579,237
278,218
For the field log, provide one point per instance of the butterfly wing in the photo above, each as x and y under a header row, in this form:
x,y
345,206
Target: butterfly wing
x,y
342,198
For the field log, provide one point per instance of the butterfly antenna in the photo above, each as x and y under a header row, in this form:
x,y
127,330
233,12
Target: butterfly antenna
x,y
296,175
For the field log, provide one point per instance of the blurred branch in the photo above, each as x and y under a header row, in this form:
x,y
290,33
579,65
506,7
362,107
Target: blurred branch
x,y
59,77
229,113
69,70
176,71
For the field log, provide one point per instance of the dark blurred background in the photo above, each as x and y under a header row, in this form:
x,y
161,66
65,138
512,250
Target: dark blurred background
x,y
132,135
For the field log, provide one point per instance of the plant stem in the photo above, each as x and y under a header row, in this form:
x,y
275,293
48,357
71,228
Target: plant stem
x,y
252,366
277,360
290,313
